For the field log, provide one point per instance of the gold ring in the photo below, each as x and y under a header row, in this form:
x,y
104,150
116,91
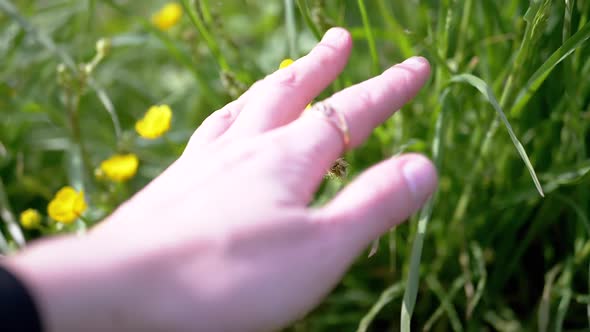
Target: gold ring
x,y
334,117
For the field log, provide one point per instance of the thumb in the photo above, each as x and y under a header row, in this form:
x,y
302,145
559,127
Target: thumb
x,y
380,198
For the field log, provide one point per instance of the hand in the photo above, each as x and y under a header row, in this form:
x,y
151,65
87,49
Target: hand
x,y
224,239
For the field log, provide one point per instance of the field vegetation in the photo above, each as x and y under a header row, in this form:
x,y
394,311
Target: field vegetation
x,y
98,97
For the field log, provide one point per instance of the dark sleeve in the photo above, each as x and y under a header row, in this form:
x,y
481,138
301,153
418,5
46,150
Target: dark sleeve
x,y
17,308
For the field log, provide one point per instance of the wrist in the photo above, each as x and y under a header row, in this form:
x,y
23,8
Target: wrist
x,y
74,286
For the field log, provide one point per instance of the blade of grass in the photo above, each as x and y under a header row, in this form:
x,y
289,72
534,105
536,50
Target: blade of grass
x,y
486,91
413,278
304,10
544,314
503,324
583,218
388,295
204,10
441,64
552,181
535,81
397,32
9,219
110,108
64,57
15,14
209,40
481,269
392,246
445,21
370,38
455,288
291,28
535,18
91,24
567,19
180,55
445,302
566,297
466,16
512,258
414,273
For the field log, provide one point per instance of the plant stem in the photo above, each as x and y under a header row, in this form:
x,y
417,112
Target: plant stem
x,y
291,28
211,43
304,9
79,176
399,35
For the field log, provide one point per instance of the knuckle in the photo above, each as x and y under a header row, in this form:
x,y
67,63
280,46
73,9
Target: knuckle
x,y
193,143
378,188
258,85
287,78
218,117
223,114
214,124
292,165
281,148
325,54
366,98
402,82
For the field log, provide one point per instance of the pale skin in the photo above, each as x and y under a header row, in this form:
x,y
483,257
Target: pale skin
x,y
224,239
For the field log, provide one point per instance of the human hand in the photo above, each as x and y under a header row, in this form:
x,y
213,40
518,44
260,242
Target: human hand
x,y
224,239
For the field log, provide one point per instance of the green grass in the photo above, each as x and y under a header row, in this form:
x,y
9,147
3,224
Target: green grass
x,y
506,115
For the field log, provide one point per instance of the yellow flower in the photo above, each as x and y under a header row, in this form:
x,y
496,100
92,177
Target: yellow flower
x,y
120,167
30,218
67,205
286,63
155,123
167,16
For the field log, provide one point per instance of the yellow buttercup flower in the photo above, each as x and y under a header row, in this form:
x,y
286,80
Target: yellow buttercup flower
x,y
67,205
30,218
286,63
120,167
168,16
155,123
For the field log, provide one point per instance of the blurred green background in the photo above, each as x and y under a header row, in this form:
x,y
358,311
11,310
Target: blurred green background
x,y
496,255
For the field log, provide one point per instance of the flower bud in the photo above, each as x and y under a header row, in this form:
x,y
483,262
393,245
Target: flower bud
x,y
103,46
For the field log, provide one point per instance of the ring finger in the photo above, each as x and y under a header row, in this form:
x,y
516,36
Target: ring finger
x,y
354,113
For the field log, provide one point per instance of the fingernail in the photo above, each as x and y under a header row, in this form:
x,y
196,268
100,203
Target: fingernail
x,y
416,62
420,177
334,36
